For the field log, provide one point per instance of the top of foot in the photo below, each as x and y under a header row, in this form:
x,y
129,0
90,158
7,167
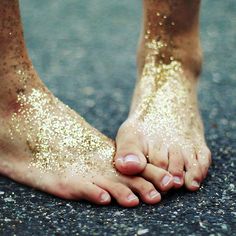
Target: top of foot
x,y
164,127
48,146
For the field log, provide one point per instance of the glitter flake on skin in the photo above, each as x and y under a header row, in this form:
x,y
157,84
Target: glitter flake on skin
x,y
163,75
56,135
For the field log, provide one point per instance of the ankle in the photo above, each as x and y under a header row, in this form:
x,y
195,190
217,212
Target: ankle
x,y
171,32
15,80
190,59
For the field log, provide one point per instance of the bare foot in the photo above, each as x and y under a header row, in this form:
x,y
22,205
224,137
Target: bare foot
x,y
46,145
164,124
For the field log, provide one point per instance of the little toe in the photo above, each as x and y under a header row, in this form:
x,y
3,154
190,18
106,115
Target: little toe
x,y
123,195
204,159
129,158
145,189
193,176
158,156
176,166
160,178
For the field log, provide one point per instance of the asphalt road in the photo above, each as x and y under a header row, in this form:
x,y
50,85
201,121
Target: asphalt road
x,y
85,53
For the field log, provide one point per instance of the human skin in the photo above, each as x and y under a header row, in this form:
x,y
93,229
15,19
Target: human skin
x,y
164,126
46,145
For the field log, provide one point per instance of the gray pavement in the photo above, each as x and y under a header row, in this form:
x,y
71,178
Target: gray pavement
x,y
85,53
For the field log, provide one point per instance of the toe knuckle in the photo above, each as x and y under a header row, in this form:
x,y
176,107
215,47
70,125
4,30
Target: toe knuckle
x,y
142,184
136,182
147,186
162,164
195,168
121,190
206,157
118,186
178,172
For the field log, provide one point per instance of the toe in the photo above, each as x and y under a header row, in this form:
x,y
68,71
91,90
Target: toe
x,y
161,179
158,156
123,195
193,176
145,189
176,166
204,159
85,190
95,194
129,158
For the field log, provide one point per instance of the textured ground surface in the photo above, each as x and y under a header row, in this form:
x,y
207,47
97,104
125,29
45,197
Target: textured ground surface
x,y
85,53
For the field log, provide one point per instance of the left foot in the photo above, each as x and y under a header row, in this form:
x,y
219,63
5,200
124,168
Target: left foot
x,y
46,145
164,124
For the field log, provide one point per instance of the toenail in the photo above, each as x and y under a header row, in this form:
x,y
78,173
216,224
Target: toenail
x,y
195,184
105,197
131,158
131,197
154,194
166,180
177,180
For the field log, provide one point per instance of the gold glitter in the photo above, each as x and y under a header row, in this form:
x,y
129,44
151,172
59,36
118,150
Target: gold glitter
x,y
165,100
167,103
58,138
55,137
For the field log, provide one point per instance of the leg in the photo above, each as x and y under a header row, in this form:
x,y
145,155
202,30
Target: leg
x,y
46,145
164,124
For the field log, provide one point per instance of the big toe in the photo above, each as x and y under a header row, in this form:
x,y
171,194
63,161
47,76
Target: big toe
x,y
129,159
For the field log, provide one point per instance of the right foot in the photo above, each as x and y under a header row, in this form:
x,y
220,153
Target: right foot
x,y
164,124
46,145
